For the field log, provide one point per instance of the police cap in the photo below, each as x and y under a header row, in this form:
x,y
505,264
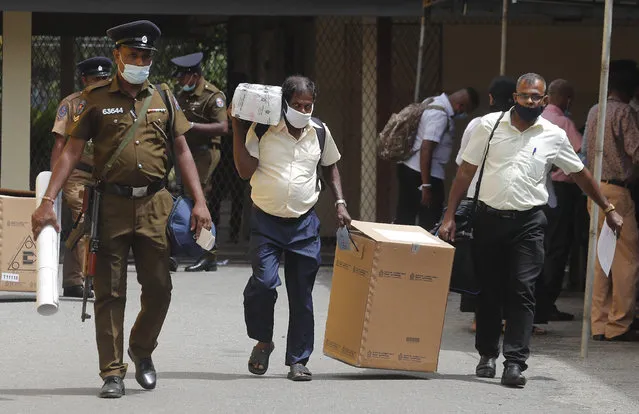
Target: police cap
x,y
95,66
140,34
187,64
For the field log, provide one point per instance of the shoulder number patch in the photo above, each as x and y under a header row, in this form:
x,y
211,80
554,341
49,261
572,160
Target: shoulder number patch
x,y
219,102
112,111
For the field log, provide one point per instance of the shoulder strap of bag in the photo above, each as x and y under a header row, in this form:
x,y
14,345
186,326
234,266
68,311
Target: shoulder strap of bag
x,y
128,137
483,164
171,140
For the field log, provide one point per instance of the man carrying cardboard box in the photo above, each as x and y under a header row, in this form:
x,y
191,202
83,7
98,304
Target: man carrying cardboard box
x,y
282,162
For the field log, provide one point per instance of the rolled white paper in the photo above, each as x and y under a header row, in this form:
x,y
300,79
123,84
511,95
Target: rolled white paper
x,y
47,251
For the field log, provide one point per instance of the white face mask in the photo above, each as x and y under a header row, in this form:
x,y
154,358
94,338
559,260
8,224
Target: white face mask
x,y
296,118
134,74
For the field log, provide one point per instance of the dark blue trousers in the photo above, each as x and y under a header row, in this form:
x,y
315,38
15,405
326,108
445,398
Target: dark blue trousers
x,y
299,242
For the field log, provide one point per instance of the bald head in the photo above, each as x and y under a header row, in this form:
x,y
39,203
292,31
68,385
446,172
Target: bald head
x,y
560,93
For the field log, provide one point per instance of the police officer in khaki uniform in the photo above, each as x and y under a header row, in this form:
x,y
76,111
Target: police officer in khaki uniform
x,y
91,70
204,105
135,203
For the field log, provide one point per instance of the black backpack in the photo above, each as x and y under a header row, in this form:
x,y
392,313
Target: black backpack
x,y
260,130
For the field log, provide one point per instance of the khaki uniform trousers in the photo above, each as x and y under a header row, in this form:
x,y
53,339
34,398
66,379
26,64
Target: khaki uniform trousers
x,y
72,195
206,161
613,298
138,224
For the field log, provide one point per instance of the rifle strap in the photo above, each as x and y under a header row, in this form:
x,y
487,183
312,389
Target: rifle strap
x,y
129,136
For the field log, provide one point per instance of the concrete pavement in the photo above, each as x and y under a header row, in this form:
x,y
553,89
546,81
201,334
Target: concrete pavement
x,y
49,364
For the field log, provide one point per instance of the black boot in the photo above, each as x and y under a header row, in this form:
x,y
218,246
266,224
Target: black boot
x,y
113,388
206,263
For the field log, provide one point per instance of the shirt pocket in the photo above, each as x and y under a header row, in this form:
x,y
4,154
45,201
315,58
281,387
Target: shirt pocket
x,y
308,157
535,168
158,118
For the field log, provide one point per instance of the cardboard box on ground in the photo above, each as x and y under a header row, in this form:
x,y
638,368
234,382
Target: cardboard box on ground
x,y
388,298
17,246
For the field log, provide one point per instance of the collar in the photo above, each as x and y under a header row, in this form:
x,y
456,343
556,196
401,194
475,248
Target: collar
x,y
445,101
554,109
147,87
199,89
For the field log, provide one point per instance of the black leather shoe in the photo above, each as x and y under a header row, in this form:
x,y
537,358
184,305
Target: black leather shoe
x,y
173,264
512,376
628,336
144,371
560,316
206,263
113,388
76,291
486,367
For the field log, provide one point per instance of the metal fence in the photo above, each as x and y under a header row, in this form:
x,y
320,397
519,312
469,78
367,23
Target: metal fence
x,y
345,67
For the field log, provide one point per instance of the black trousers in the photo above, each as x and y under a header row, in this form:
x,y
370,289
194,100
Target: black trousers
x,y
558,243
509,257
409,203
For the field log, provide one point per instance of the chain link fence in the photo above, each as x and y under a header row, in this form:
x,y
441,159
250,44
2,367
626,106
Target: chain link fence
x,y
347,70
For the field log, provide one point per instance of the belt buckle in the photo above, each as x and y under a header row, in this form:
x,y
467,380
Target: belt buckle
x,y
139,192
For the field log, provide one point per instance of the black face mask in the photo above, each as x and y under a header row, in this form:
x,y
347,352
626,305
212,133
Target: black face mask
x,y
528,114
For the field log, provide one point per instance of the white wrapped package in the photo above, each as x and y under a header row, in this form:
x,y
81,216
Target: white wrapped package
x,y
258,103
47,251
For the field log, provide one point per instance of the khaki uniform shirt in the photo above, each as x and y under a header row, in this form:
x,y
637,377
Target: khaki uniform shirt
x,y
205,105
66,109
106,113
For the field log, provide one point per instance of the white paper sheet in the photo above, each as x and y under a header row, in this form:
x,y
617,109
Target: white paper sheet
x,y
606,248
406,236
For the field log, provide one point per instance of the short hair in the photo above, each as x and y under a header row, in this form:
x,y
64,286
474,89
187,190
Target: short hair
x,y
531,79
502,89
298,84
623,77
473,95
560,87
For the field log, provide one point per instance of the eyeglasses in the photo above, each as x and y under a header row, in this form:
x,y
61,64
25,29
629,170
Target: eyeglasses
x,y
533,97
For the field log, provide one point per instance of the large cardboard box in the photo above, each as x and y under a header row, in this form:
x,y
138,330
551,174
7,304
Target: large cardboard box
x,y
17,247
388,298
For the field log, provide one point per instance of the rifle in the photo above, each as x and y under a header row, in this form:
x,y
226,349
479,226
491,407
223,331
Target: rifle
x,y
90,212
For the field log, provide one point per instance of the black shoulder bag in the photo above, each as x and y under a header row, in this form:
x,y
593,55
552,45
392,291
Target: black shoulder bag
x,y
463,278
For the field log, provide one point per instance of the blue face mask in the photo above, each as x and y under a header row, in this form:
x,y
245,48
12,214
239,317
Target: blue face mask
x,y
189,88
462,115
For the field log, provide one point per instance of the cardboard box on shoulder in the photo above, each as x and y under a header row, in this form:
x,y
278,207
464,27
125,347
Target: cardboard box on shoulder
x,y
258,103
388,298
17,246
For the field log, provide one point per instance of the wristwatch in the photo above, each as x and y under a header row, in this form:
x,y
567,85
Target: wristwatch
x,y
421,187
611,207
340,201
